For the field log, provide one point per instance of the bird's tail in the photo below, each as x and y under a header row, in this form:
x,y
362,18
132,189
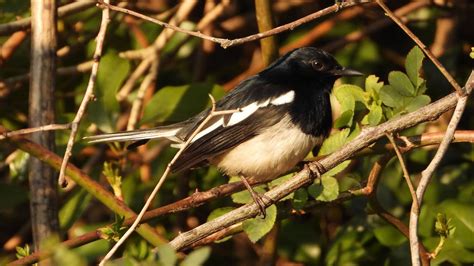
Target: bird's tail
x,y
137,135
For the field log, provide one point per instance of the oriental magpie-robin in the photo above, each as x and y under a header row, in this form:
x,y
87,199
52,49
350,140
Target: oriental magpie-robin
x,y
284,113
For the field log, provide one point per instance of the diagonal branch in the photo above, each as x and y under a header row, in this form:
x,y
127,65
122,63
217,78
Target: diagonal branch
x,y
406,174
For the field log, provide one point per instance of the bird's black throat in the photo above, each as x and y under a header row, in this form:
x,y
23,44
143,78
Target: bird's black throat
x,y
311,109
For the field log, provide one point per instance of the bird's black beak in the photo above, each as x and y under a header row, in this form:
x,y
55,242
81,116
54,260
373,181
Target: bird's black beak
x,y
347,72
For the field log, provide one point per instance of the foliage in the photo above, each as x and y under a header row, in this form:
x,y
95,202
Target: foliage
x,y
314,227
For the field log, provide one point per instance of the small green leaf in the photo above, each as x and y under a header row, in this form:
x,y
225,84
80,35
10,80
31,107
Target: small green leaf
x,y
112,72
166,255
390,97
73,208
417,102
345,119
177,103
339,168
328,191
300,198
413,65
401,83
197,257
375,115
334,142
256,228
388,236
373,86
472,53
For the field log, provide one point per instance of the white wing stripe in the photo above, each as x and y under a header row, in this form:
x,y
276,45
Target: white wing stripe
x,y
209,129
283,99
245,112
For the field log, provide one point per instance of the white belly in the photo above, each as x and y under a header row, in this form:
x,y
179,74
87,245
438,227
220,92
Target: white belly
x,y
273,152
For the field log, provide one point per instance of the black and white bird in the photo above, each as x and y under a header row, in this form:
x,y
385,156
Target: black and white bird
x,y
284,113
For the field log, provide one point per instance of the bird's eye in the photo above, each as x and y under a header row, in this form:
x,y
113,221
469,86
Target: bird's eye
x,y
317,65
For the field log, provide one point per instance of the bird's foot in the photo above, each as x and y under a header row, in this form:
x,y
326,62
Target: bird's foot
x,y
258,198
317,168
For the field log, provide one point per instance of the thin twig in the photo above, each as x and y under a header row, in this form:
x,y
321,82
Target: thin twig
x,y
423,47
25,131
428,172
406,174
213,113
88,95
225,43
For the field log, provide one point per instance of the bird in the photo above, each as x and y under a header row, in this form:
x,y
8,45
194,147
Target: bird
x,y
283,112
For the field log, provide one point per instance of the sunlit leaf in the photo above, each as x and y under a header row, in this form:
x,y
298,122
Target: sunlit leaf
x,y
166,255
197,257
401,83
257,227
413,65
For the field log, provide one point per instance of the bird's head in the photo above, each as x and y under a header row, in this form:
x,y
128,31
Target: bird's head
x,y
306,64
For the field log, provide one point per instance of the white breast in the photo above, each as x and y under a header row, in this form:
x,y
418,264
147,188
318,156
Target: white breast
x,y
273,152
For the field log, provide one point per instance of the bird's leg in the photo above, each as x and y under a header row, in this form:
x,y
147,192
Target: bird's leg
x,y
257,198
317,168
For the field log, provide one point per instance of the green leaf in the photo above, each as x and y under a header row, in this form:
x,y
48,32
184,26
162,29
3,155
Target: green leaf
x,y
401,83
373,86
300,198
375,115
328,190
390,97
413,65
348,94
73,208
166,255
177,103
417,102
388,236
256,228
197,257
334,142
112,72
339,168
345,119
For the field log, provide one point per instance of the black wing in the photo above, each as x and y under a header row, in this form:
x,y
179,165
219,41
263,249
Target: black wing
x,y
224,138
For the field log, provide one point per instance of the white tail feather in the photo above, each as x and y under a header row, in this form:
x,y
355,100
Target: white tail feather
x,y
155,133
